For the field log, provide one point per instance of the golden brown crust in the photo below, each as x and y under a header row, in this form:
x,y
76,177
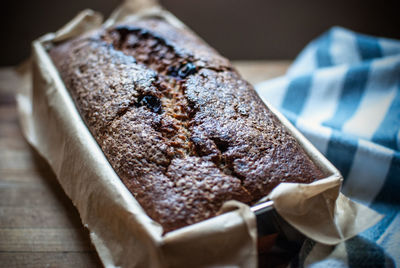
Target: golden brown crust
x,y
181,128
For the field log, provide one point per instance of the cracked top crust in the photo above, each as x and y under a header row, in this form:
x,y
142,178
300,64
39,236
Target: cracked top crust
x,y
178,124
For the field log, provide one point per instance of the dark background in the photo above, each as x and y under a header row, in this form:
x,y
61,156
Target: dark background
x,y
239,29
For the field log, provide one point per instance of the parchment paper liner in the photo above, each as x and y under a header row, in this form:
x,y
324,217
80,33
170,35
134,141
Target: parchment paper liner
x,y
122,233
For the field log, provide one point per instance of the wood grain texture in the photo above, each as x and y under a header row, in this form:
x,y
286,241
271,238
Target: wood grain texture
x,y
43,240
49,259
39,226
258,71
38,217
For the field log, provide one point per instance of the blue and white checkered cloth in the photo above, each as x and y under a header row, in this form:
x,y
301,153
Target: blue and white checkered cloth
x,y
343,94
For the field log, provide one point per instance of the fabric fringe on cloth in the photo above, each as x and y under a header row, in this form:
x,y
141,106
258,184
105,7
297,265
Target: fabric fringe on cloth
x,y
343,94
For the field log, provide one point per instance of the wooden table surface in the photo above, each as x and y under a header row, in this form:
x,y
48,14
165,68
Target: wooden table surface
x,y
39,226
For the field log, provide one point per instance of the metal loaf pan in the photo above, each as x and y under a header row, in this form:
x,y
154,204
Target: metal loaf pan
x,y
55,129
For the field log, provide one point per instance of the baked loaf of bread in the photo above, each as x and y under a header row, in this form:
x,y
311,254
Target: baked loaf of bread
x,y
178,124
